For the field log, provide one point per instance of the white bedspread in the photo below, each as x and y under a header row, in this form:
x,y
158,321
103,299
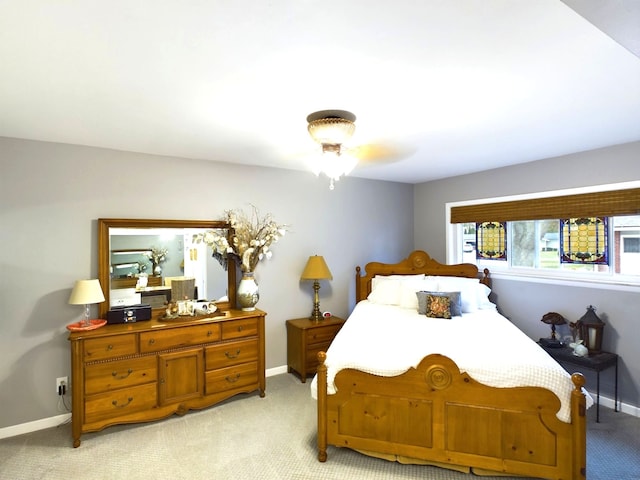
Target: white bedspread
x,y
388,340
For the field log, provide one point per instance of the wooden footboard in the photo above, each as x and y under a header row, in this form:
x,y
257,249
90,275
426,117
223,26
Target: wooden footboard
x,y
435,413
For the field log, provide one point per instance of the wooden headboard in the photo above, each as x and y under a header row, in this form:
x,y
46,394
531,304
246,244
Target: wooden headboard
x,y
417,262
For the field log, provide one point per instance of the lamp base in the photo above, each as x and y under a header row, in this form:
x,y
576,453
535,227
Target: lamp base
x,y
82,327
316,316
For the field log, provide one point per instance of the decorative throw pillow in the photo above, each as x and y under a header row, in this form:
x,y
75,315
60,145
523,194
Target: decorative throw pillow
x,y
438,306
454,297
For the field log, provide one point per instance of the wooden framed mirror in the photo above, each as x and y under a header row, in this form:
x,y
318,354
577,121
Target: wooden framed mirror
x,y
125,248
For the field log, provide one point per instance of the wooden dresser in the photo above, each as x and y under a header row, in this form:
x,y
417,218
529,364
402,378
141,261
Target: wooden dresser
x,y
149,370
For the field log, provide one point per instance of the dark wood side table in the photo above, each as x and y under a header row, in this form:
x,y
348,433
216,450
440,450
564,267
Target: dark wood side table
x,y
305,338
596,362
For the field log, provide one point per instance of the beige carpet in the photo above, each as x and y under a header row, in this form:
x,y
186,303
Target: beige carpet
x,y
257,438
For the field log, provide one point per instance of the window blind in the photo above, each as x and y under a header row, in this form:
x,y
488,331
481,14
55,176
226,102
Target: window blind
x,y
596,204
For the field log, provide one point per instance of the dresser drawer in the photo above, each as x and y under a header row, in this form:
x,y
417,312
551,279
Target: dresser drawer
x,y
109,347
102,377
231,353
322,335
118,403
179,337
230,378
239,328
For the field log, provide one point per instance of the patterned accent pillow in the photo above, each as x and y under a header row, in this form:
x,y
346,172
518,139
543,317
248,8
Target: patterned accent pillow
x,y
438,306
455,306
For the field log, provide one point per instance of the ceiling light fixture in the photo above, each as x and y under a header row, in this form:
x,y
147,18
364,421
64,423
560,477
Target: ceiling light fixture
x,y
331,129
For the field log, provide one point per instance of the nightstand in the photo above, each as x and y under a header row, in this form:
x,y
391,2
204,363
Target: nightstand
x,y
596,362
305,338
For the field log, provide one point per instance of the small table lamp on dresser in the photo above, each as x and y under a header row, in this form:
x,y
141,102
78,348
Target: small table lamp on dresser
x,y
86,292
316,269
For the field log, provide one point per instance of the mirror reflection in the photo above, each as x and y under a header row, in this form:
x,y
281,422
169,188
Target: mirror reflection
x,y
143,264
138,263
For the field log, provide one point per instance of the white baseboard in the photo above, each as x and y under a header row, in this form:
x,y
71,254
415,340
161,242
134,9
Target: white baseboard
x,y
21,429
623,407
15,430
270,372
36,425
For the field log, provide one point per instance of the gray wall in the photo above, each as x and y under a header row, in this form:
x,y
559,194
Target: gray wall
x,y
51,196
525,302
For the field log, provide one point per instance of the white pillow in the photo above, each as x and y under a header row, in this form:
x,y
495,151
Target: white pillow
x,y
386,292
482,291
381,278
409,288
473,294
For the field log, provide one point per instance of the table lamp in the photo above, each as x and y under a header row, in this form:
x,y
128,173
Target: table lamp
x,y
553,319
86,292
316,269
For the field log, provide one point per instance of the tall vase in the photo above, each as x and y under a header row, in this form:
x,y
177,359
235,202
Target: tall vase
x,y
247,292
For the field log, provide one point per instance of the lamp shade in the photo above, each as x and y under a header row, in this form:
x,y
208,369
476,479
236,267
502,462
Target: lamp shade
x,y
86,292
316,269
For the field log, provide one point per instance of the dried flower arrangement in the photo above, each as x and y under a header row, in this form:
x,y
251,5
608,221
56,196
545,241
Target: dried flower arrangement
x,y
250,239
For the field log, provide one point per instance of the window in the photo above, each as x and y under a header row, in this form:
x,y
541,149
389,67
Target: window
x,y
582,234
491,240
541,245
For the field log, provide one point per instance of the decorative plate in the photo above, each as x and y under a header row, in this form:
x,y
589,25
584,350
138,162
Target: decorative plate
x,y
80,327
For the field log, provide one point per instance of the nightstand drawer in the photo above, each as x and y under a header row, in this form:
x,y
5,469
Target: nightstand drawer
x,y
232,353
102,377
179,337
109,347
322,335
312,356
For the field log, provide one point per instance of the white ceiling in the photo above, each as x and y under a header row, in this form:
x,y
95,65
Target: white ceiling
x,y
457,86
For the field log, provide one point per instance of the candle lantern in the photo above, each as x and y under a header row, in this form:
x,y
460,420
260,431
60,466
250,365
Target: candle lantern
x,y
591,327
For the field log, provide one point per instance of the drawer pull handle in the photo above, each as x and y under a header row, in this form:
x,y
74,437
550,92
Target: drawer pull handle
x,y
209,333
232,356
121,377
240,328
232,379
115,403
152,341
109,347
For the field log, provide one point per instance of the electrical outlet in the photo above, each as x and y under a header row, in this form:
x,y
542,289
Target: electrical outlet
x,y
62,384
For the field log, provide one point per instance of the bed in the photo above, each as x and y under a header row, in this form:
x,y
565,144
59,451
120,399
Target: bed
x,y
424,407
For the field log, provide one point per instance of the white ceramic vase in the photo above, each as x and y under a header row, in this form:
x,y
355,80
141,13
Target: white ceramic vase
x,y
247,293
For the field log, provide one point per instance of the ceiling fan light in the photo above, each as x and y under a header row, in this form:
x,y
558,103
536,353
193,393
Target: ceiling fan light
x,y
331,130
334,165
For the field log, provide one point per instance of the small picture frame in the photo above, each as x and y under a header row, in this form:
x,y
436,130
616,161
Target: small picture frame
x,y
185,308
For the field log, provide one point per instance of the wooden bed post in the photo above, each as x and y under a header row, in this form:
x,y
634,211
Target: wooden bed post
x,y
578,419
322,407
485,278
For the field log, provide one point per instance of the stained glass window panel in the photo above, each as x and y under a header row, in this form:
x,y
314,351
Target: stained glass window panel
x,y
584,240
491,241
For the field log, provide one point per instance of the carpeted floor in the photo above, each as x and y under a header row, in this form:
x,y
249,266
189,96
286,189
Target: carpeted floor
x,y
259,438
